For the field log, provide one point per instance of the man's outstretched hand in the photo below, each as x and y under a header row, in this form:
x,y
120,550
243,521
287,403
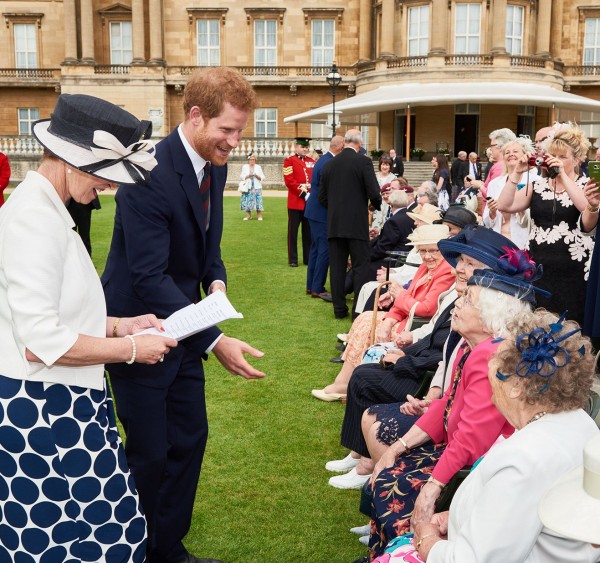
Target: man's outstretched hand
x,y
230,353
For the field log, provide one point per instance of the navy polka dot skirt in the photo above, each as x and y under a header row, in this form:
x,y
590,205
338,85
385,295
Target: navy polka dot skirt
x,y
66,494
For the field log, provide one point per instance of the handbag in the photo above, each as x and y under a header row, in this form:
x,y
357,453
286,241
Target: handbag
x,y
243,187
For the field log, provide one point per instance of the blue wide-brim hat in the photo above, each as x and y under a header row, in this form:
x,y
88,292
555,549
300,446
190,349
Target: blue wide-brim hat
x,y
511,285
480,243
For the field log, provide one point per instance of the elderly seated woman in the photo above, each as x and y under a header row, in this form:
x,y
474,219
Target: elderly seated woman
x,y
460,427
424,214
541,377
372,388
432,278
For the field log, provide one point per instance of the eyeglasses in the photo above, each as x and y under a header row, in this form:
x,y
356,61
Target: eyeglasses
x,y
427,252
541,140
421,195
467,301
494,145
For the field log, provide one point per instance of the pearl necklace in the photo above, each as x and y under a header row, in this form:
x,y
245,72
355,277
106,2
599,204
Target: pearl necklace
x,y
536,417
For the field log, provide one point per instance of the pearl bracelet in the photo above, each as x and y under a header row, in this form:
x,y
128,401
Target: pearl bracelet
x,y
133,349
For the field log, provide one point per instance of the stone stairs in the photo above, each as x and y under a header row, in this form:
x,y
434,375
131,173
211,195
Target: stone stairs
x,y
417,172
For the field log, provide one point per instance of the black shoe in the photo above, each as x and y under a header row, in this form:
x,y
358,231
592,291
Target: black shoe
x,y
337,360
341,347
189,558
341,315
293,265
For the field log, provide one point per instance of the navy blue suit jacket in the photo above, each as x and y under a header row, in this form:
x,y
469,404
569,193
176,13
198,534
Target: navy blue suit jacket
x,y
314,210
160,253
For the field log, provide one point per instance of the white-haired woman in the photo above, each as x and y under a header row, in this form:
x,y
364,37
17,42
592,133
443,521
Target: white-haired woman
x,y
514,226
460,427
556,204
252,177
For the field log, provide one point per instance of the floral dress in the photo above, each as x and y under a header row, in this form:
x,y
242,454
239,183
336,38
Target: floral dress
x,y
556,242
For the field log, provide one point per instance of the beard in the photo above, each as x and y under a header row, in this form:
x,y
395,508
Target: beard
x,y
206,147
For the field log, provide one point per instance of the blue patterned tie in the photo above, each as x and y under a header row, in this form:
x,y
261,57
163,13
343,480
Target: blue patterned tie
x,y
205,192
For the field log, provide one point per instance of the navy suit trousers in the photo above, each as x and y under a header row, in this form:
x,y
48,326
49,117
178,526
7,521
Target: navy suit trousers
x,y
318,258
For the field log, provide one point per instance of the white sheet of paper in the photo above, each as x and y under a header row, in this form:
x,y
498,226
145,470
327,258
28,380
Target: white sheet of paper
x,y
199,316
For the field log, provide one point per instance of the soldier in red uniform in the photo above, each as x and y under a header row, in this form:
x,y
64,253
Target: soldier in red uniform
x,y
4,175
297,172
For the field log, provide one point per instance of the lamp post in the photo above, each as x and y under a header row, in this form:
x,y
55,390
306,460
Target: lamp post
x,y
333,79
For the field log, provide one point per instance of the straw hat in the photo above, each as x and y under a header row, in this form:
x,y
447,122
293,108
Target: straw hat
x,y
98,138
428,234
571,507
427,213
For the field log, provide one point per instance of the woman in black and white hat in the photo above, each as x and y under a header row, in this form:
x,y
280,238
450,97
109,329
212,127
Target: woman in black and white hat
x,y
65,489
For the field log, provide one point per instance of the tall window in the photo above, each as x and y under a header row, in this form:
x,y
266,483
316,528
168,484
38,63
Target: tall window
x,y
514,29
467,29
209,43
120,43
591,42
265,122
418,31
265,42
25,45
590,123
323,42
25,118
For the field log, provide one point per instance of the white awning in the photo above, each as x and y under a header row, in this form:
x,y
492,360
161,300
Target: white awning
x,y
400,96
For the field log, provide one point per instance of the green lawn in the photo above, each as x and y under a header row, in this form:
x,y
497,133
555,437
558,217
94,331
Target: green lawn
x,y
263,494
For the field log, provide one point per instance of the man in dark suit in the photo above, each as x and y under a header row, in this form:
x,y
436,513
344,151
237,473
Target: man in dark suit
x,y
458,171
318,258
165,246
397,163
347,184
474,171
394,234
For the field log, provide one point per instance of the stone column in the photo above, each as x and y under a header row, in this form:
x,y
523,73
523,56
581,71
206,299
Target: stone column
x,y
439,39
156,33
137,30
87,33
387,29
70,32
365,30
543,28
498,16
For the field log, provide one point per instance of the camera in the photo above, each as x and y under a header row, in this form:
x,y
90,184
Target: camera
x,y
542,161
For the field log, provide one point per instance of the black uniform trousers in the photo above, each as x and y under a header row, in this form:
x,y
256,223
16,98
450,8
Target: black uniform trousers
x,y
359,252
295,220
370,384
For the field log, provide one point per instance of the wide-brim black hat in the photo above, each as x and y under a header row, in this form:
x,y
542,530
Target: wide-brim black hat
x,y
98,138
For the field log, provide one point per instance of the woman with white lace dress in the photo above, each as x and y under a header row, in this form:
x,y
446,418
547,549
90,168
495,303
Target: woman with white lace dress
x,y
556,203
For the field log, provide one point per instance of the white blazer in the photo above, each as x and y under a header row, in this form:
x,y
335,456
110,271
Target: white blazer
x,y
49,289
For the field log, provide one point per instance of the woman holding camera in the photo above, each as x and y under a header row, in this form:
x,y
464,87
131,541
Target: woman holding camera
x,y
556,203
514,226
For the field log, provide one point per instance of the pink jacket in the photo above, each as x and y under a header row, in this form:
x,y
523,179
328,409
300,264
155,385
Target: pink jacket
x,y
474,423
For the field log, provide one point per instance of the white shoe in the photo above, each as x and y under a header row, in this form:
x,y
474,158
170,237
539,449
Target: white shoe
x,y
342,465
246,218
350,480
260,218
362,530
364,540
343,337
